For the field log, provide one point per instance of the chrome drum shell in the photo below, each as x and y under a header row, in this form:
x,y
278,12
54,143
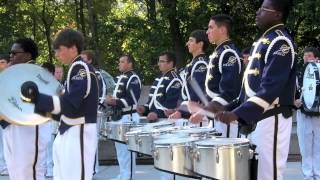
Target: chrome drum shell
x,y
222,158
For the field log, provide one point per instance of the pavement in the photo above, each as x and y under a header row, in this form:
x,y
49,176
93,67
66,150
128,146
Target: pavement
x,y
147,172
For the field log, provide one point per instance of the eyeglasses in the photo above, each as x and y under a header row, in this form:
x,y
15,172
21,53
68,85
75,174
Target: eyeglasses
x,y
15,52
162,61
266,9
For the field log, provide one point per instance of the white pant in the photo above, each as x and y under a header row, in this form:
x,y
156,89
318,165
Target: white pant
x,y
263,137
68,162
2,160
223,128
20,152
308,131
52,131
126,159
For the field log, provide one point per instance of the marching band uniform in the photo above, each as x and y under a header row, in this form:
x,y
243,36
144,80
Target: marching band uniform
x,y
308,131
126,82
196,71
266,99
164,94
75,145
223,81
24,150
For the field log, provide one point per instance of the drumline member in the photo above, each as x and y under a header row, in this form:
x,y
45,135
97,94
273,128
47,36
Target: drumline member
x,y
194,71
223,79
165,90
89,57
75,145
308,127
125,95
24,146
267,95
4,63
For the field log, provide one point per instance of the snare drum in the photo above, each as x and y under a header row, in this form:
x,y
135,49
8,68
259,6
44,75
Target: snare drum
x,y
116,130
174,155
311,88
222,158
141,140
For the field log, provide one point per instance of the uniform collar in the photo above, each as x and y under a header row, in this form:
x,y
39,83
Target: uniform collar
x,y
165,73
197,57
277,26
31,61
77,58
223,42
126,72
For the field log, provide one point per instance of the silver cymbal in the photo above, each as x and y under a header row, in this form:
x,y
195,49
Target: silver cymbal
x,y
12,108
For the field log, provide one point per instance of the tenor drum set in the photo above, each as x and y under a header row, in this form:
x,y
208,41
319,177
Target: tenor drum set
x,y
188,151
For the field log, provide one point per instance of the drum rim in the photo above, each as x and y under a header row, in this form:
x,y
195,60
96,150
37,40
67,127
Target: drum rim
x,y
315,107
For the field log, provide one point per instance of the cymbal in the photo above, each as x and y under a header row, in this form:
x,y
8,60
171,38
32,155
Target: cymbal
x,y
12,108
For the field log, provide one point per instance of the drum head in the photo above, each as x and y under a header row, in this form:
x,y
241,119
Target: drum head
x,y
222,142
175,140
12,108
311,87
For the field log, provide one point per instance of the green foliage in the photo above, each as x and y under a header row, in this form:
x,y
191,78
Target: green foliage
x,y
113,28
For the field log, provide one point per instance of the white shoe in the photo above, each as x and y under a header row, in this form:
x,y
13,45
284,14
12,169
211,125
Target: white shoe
x,y
4,172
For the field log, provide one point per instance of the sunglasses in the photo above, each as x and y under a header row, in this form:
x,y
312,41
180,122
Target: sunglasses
x,y
15,52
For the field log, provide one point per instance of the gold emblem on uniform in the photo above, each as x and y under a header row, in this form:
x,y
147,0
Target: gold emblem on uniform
x,y
210,77
211,66
213,55
265,41
254,71
284,50
82,73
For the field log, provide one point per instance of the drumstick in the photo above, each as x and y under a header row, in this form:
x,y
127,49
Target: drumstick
x,y
195,86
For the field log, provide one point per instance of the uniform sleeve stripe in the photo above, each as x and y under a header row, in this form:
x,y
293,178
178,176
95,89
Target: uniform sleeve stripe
x,y
124,102
220,100
56,105
260,102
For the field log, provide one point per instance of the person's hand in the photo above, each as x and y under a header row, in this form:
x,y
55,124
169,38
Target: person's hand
x,y
226,116
298,103
110,101
194,107
175,115
29,91
196,118
141,109
152,116
168,112
214,107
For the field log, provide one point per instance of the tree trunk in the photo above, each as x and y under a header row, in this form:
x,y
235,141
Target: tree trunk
x,y
77,18
176,37
82,21
151,7
93,24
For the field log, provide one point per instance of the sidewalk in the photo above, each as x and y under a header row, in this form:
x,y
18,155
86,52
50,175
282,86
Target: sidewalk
x,y
147,172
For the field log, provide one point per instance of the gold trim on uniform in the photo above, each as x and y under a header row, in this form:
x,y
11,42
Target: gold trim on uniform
x,y
254,71
265,41
260,102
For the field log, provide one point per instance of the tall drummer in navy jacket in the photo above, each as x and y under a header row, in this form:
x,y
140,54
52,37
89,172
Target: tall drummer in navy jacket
x,y
223,79
125,95
267,96
75,145
165,90
195,71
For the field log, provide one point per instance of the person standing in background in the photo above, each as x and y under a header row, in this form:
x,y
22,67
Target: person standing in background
x,y
4,63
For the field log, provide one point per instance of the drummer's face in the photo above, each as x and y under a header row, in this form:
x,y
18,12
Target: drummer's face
x,y
66,55
164,64
18,55
124,64
3,64
309,57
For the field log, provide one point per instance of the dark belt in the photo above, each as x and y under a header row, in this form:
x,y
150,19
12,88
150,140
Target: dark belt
x,y
128,112
286,111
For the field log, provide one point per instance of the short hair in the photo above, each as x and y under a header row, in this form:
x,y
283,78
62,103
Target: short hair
x,y
313,50
246,50
6,57
171,57
90,54
283,6
130,59
29,46
223,20
69,38
49,66
201,35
